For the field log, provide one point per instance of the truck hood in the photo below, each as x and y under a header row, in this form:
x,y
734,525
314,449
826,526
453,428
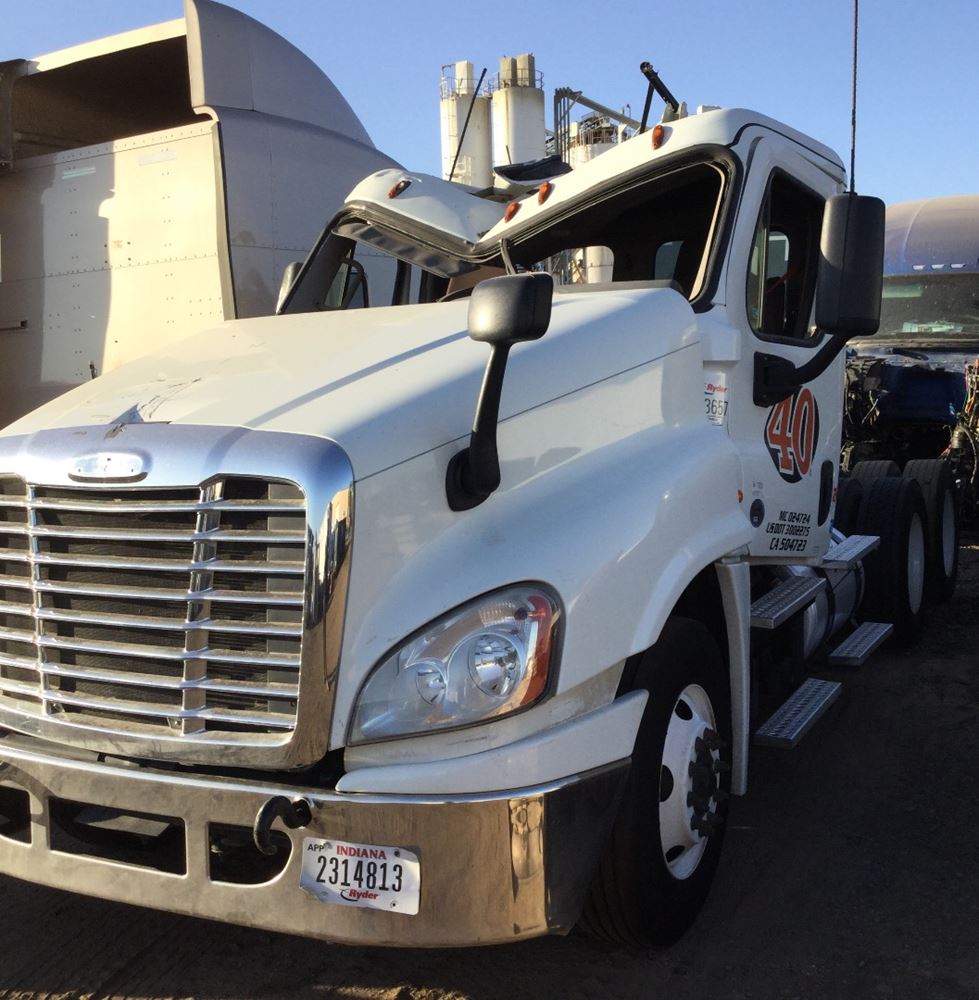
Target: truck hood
x,y
386,384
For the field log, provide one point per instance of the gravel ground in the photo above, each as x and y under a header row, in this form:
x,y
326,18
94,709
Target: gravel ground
x,y
851,870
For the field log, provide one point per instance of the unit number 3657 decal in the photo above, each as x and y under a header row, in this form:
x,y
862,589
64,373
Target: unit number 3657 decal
x,y
791,434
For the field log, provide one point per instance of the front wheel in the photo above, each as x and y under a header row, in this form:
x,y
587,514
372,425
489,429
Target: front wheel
x,y
666,841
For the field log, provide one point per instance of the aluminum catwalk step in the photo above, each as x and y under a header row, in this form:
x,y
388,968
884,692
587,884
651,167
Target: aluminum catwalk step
x,y
799,714
856,648
850,551
781,603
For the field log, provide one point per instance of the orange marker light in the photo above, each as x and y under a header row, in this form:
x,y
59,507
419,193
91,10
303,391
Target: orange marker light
x,y
740,496
544,192
399,187
511,210
659,135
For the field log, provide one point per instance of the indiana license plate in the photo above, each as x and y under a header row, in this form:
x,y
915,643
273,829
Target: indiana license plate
x,y
382,878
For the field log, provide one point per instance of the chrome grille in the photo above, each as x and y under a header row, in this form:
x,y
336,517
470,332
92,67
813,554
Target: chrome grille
x,y
174,612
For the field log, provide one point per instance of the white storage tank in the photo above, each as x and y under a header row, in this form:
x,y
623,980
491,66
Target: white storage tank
x,y
587,139
475,162
518,111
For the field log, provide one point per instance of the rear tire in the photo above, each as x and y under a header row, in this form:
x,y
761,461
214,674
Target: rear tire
x,y
849,496
878,468
666,842
938,489
894,590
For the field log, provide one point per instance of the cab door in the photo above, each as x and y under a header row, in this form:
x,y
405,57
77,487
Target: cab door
x,y
789,449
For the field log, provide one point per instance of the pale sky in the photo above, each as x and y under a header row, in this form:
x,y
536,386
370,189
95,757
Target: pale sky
x,y
918,120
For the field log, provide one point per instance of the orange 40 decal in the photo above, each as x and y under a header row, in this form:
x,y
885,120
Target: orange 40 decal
x,y
791,433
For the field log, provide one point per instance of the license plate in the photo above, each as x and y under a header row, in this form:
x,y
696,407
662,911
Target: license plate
x,y
382,878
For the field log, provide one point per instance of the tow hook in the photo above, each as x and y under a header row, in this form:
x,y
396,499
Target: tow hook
x,y
294,813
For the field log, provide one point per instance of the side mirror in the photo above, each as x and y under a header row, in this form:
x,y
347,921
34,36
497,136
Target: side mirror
x,y
288,280
851,266
502,312
511,308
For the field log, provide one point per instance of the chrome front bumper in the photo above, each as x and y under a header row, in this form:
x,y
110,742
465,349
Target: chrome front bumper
x,y
495,867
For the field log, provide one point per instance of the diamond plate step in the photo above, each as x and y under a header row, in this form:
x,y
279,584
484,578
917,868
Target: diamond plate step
x,y
781,603
799,714
850,551
856,649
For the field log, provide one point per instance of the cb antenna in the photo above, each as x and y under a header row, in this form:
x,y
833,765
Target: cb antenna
x,y
853,98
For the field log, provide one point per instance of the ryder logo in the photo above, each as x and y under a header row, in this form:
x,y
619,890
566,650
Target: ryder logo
x,y
791,434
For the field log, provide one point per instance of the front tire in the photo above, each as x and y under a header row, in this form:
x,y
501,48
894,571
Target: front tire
x,y
666,842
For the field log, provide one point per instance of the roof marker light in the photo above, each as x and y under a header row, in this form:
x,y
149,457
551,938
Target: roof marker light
x,y
511,210
659,136
544,192
399,187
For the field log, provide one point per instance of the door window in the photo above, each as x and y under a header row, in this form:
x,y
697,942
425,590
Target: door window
x,y
784,259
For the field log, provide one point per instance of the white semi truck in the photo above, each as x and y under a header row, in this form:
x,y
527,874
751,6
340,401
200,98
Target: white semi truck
x,y
291,640
154,183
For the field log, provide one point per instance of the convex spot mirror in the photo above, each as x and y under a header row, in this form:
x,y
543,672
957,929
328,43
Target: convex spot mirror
x,y
511,308
851,266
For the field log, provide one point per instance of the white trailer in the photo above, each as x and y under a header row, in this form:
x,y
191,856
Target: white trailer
x,y
153,183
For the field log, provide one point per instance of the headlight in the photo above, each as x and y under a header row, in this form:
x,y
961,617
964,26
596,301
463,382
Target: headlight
x,y
489,657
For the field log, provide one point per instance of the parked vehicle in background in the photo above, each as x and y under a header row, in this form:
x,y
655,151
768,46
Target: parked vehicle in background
x,y
912,393
154,183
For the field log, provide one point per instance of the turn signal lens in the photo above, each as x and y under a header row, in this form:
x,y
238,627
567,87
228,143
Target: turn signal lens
x,y
511,210
399,187
544,192
659,136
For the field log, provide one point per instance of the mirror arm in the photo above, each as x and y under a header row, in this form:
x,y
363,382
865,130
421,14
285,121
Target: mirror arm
x,y
474,473
776,378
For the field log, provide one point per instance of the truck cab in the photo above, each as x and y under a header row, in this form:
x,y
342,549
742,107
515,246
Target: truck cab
x,y
249,616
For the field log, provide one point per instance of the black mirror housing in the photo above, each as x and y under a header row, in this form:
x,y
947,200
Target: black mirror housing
x,y
502,312
511,308
851,266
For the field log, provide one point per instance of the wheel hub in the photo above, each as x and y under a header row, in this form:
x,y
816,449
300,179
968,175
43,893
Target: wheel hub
x,y
690,782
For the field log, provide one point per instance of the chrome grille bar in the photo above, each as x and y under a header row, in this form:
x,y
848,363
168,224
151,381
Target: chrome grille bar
x,y
213,535
162,593
162,624
198,716
160,565
163,506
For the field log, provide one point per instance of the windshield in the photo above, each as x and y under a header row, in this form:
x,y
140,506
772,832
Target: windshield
x,y
656,230
930,307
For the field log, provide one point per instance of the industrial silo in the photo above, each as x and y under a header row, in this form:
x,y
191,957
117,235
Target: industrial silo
x,y
587,139
518,111
460,100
